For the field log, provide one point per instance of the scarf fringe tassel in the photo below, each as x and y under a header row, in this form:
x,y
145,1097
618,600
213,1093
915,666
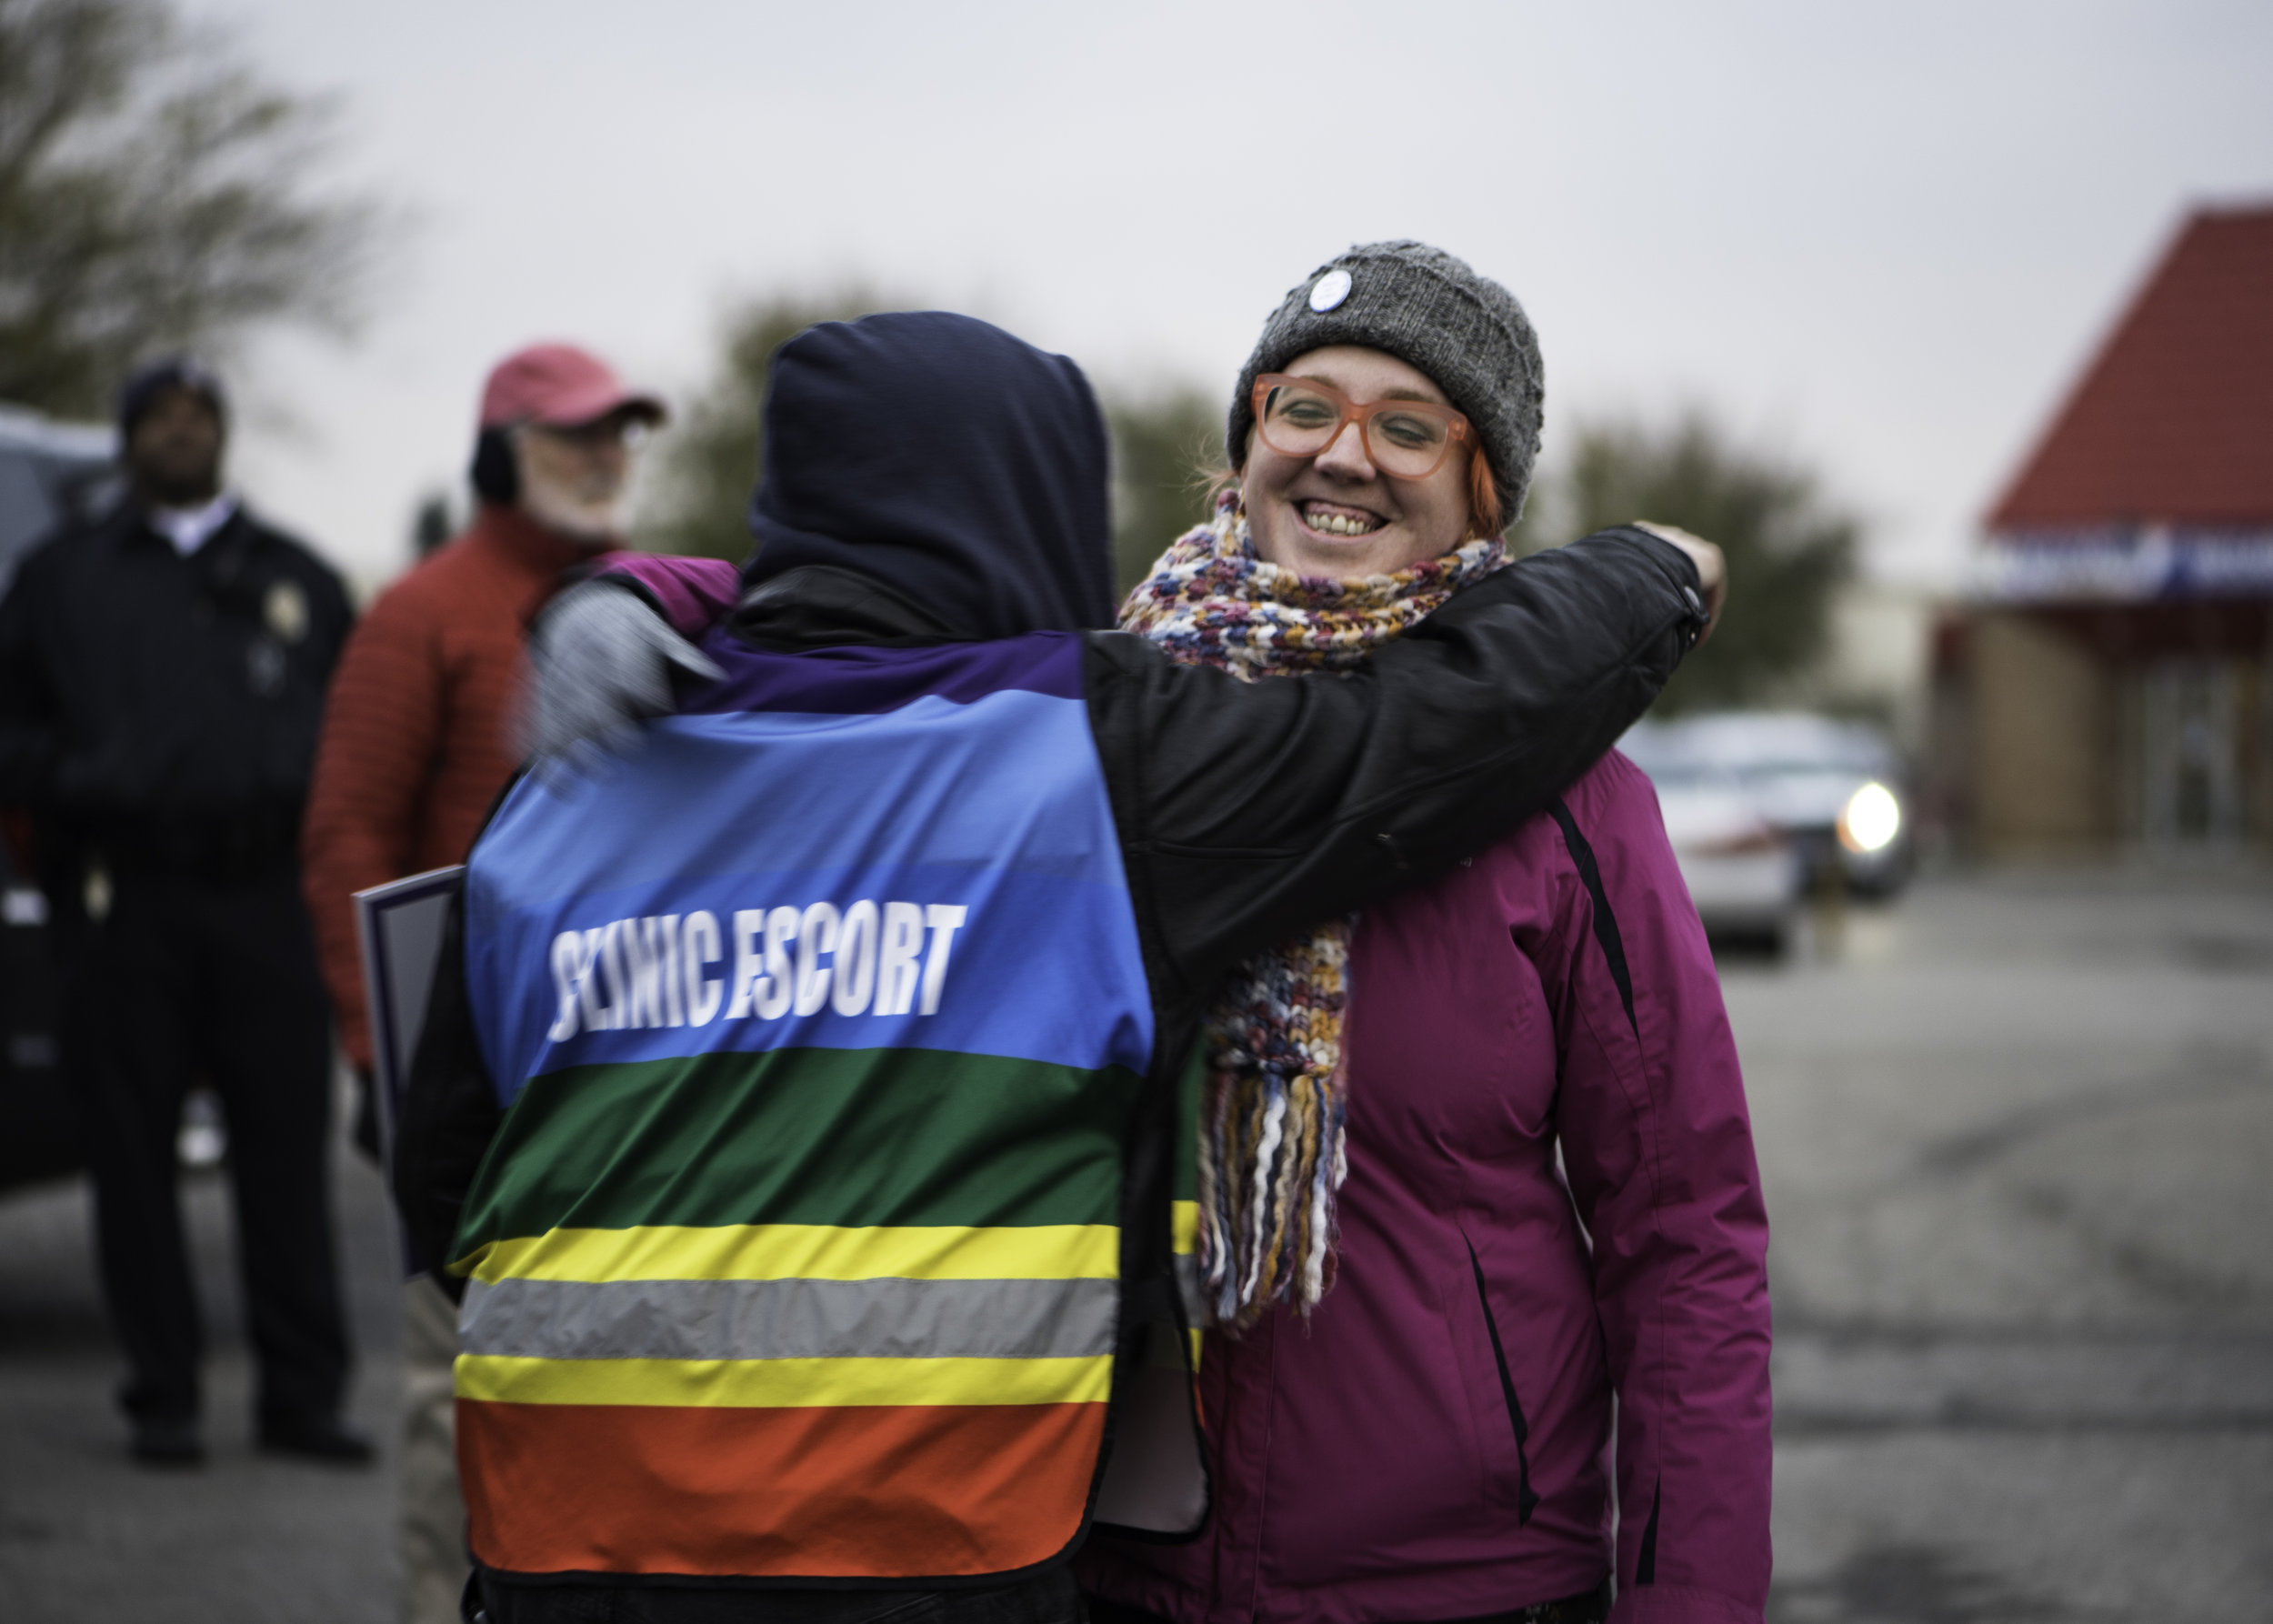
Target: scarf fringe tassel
x,y
1272,1155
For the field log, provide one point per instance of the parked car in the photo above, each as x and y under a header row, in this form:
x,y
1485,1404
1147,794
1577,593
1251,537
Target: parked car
x,y
50,473
1744,874
1831,788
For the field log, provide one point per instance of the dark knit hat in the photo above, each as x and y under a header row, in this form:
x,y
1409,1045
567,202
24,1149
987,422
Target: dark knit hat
x,y
154,378
1432,312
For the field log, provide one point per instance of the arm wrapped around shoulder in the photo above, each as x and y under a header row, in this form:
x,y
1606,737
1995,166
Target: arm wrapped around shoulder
x,y
1256,809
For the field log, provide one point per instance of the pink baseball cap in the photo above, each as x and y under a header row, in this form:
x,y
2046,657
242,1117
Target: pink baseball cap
x,y
560,386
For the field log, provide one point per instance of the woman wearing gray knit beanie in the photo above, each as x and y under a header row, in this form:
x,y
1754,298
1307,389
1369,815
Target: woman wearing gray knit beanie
x,y
1435,333
1417,1324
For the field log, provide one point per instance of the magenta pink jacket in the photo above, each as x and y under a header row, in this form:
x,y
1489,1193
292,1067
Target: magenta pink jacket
x,y
1438,1445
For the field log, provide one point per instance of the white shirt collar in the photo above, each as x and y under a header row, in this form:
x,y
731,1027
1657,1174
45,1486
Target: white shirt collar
x,y
189,528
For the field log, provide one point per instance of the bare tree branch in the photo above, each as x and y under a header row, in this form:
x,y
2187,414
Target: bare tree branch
x,y
154,195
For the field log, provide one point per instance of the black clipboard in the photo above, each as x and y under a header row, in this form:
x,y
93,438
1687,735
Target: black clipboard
x,y
401,926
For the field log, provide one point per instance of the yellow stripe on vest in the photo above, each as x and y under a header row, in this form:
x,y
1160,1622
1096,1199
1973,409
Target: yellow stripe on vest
x,y
803,1251
783,1384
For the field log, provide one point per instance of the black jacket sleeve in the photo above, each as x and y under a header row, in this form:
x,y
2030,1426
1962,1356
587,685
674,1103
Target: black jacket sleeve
x,y
450,1113
1249,811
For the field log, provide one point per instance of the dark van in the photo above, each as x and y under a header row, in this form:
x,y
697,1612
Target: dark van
x,y
51,474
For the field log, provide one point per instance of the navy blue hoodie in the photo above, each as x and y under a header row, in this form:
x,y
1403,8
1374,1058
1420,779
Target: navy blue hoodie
x,y
940,454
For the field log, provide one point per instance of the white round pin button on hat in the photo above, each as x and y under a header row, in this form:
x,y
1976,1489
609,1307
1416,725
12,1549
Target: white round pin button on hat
x,y
1329,290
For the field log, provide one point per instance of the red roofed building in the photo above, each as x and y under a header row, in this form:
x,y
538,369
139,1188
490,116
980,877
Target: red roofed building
x,y
2110,685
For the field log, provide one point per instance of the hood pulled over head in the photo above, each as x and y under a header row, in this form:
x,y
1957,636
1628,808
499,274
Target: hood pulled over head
x,y
938,454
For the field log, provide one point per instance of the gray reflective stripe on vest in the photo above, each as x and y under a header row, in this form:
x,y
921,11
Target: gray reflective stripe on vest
x,y
790,1319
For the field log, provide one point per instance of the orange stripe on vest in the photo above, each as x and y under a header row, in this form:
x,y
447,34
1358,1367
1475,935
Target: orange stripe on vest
x,y
872,1491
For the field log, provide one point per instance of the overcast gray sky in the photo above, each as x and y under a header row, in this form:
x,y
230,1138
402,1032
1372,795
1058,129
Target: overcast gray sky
x,y
1881,239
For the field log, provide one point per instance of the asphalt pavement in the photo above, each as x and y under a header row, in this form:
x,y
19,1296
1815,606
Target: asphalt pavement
x,y
86,1537
2017,1139
2016,1131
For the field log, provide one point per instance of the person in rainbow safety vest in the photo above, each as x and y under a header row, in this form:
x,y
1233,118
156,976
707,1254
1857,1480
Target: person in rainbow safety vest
x,y
806,1100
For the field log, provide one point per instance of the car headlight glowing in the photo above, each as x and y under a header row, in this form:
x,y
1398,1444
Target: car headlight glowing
x,y
1871,819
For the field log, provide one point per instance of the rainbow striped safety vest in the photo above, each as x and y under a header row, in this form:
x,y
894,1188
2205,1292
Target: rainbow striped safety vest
x,y
823,1032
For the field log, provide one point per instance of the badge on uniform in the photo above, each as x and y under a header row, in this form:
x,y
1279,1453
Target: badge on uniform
x,y
286,609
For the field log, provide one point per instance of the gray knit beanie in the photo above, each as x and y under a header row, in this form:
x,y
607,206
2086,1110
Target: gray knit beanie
x,y
1430,311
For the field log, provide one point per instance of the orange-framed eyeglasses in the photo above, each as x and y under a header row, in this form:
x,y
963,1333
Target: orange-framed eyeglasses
x,y
1300,416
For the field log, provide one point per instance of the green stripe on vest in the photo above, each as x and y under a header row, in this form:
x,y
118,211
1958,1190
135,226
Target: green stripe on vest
x,y
838,1136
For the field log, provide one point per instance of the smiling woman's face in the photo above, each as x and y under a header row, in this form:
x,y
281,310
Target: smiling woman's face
x,y
1337,515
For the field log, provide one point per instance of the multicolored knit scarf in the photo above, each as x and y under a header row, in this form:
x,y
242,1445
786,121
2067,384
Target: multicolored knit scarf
x,y
1271,1153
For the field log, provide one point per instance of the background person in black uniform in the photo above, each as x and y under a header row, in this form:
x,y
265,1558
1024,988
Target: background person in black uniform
x,y
162,677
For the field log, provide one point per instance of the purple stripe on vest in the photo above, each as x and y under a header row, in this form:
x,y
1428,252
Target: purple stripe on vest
x,y
857,681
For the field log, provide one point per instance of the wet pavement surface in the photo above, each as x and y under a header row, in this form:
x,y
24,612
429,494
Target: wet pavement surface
x,y
88,1538
2018,1146
2018,1134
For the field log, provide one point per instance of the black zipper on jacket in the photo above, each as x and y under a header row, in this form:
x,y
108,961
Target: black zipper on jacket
x,y
1606,924
1524,1498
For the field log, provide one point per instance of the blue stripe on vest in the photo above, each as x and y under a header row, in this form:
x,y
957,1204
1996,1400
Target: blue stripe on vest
x,y
601,921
